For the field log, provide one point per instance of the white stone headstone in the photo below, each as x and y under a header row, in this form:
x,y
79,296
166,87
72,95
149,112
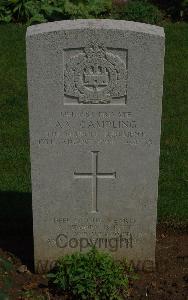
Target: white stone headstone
x,y
95,98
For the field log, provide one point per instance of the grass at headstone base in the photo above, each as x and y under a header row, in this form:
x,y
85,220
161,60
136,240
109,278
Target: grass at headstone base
x,y
15,184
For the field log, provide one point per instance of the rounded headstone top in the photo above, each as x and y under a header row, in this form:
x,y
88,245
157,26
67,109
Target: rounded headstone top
x,y
103,24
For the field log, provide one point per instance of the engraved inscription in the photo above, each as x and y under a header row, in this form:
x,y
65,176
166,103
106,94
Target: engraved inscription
x,y
95,175
95,76
96,128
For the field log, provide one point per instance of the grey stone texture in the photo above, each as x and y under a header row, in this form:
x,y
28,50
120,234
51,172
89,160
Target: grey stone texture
x,y
95,100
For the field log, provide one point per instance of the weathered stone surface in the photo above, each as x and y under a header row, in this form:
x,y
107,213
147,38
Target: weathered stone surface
x,y
95,93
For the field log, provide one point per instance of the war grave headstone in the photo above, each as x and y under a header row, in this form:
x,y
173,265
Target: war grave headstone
x,y
95,101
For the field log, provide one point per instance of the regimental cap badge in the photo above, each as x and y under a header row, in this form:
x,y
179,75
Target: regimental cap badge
x,y
95,76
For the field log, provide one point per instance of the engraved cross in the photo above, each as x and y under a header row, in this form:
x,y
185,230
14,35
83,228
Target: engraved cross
x,y
95,175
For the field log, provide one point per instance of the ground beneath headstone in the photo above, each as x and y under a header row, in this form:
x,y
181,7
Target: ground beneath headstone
x,y
169,281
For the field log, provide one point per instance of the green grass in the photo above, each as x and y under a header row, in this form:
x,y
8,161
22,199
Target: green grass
x,y
14,133
14,153
173,180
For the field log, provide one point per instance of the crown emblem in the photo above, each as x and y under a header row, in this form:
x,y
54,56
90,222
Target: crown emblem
x,y
95,76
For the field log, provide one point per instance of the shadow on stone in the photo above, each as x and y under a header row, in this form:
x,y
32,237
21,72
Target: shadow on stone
x,y
16,232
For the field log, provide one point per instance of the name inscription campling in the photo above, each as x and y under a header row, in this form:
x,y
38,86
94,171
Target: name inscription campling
x,y
89,128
